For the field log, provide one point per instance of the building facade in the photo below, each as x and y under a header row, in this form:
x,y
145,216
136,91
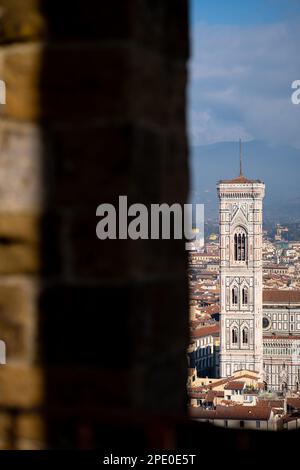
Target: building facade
x,y
204,350
241,338
281,339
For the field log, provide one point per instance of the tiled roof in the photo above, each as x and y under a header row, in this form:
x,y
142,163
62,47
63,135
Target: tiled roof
x,y
248,376
237,412
271,403
240,180
198,395
234,385
202,413
205,331
286,337
294,402
281,296
243,412
213,394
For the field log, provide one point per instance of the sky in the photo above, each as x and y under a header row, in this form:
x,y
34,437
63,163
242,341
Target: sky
x,y
245,54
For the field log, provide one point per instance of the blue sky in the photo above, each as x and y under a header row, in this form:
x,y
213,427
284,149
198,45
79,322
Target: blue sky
x,y
244,56
243,12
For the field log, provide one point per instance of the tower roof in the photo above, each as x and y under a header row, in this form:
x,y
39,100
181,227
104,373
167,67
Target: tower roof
x,y
241,179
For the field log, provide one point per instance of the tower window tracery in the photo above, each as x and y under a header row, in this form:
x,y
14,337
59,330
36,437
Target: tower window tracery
x,y
245,296
240,245
234,294
245,335
234,335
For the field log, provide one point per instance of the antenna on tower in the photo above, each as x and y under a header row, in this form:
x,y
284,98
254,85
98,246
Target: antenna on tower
x,y
241,158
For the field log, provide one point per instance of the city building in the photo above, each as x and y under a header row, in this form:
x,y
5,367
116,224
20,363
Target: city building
x,y
245,314
241,274
203,353
281,338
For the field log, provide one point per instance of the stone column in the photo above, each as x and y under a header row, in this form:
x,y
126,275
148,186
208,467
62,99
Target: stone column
x,y
95,108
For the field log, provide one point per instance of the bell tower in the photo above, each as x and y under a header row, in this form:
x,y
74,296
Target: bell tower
x,y
240,218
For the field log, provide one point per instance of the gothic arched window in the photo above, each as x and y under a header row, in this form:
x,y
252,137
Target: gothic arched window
x,y
234,335
245,295
245,335
234,294
240,245
235,246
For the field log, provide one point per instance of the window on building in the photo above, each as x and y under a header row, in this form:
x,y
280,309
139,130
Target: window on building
x,y
245,335
240,245
234,335
242,424
257,424
245,295
235,247
234,295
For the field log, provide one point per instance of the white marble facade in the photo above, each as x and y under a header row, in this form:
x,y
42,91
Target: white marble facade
x,y
241,275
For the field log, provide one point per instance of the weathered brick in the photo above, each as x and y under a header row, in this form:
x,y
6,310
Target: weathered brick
x,y
30,431
21,72
15,321
91,258
35,89
22,166
105,174
21,20
47,82
29,243
82,313
106,86
162,26
21,386
123,170
153,24
5,429
161,336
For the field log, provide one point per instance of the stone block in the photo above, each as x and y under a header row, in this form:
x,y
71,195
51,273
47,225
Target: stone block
x,y
22,166
30,243
16,321
21,20
21,387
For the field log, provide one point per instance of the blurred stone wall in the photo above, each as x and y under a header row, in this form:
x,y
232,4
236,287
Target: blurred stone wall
x,y
95,108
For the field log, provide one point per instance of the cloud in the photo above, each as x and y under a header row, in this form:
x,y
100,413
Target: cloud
x,y
240,83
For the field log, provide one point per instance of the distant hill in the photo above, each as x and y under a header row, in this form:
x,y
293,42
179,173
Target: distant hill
x,y
277,166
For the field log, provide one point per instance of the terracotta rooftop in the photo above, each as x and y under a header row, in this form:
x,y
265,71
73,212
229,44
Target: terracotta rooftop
x,y
241,179
213,394
281,296
205,331
286,337
271,403
248,376
232,412
294,402
234,385
202,413
198,395
243,412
